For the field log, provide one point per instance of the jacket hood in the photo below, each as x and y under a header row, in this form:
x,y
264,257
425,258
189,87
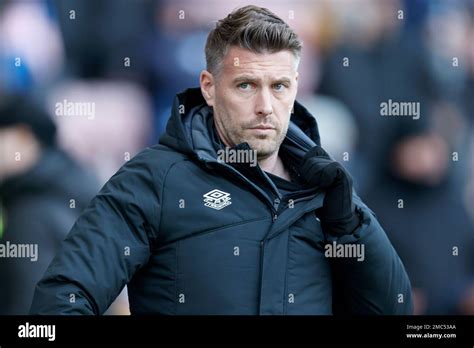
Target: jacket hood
x,y
187,130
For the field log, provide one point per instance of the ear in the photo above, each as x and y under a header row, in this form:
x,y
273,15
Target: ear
x,y
208,88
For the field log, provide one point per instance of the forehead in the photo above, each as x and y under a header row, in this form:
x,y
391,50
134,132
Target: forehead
x,y
239,61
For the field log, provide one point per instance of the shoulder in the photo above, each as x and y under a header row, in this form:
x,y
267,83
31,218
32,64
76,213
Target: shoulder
x,y
152,163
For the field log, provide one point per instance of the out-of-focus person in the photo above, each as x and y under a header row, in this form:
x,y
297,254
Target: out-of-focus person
x,y
42,192
419,198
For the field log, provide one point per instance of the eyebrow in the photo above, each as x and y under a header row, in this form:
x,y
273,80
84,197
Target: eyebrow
x,y
249,78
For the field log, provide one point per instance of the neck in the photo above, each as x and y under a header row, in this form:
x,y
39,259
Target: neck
x,y
274,165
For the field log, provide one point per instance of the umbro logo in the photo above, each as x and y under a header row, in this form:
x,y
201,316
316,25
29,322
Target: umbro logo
x,y
217,199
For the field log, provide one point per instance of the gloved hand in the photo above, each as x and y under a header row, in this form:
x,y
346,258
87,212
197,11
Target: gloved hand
x,y
337,215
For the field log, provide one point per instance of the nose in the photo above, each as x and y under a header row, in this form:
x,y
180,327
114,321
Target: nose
x,y
263,103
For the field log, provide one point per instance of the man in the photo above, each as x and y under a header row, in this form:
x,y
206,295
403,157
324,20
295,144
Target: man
x,y
194,226
42,192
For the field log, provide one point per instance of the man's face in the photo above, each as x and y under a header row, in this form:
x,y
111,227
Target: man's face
x,y
252,98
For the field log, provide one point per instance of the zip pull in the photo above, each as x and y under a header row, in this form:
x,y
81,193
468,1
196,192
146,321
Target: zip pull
x,y
276,203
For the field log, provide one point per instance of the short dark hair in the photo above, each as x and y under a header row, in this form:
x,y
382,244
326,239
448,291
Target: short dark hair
x,y
251,27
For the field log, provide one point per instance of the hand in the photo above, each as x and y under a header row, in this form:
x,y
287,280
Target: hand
x,y
338,214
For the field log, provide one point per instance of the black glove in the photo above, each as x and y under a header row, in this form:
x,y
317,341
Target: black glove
x,y
337,215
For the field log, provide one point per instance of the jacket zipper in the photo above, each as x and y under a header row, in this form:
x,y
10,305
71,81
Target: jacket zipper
x,y
262,256
274,205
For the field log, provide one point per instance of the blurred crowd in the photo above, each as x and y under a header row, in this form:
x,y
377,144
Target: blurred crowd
x,y
85,85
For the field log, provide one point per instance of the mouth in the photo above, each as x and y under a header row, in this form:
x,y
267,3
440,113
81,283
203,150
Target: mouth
x,y
262,127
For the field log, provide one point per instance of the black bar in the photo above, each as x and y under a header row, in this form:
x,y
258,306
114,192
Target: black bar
x,y
134,330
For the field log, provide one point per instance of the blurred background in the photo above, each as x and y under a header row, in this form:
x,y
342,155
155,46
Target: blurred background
x,y
85,85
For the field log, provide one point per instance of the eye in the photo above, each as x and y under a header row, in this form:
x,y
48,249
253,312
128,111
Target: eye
x,y
279,87
245,86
